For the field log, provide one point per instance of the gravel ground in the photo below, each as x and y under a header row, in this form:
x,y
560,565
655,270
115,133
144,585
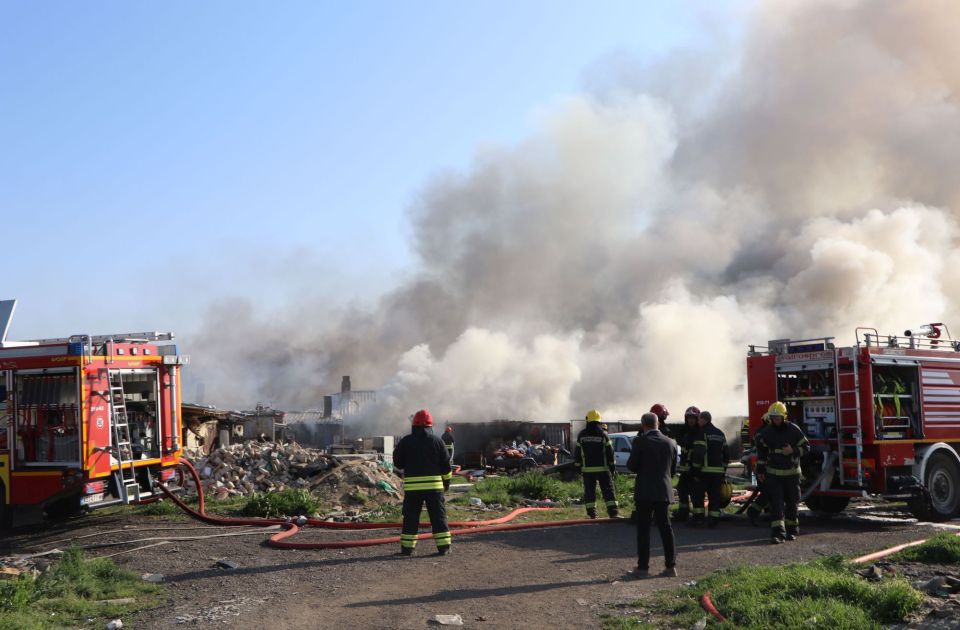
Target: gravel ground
x,y
563,577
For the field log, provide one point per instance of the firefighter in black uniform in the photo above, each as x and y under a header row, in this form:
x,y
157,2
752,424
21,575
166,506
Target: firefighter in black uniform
x,y
709,464
423,459
779,449
447,438
686,435
593,455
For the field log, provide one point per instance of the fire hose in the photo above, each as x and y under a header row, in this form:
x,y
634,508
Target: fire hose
x,y
827,469
292,526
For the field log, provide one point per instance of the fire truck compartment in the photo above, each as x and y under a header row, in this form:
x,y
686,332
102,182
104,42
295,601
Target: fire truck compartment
x,y
141,396
896,401
47,417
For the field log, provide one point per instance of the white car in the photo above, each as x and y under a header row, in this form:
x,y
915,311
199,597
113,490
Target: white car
x,y
622,445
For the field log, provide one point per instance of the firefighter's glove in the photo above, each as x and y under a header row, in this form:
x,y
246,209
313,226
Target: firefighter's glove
x,y
787,450
446,485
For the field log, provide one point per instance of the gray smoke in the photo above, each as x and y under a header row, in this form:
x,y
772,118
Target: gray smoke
x,y
651,228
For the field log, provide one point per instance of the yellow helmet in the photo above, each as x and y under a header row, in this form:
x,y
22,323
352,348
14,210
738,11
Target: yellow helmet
x,y
726,493
594,416
777,409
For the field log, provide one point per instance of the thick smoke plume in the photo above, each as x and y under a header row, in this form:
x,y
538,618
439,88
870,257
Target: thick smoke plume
x,y
651,228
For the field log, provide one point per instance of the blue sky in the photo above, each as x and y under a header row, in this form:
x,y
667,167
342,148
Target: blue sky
x,y
184,151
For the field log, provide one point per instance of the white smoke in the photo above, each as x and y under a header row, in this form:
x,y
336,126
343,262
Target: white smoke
x,y
634,245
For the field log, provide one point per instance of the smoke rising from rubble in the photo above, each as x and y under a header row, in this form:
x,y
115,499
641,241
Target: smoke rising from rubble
x,y
631,248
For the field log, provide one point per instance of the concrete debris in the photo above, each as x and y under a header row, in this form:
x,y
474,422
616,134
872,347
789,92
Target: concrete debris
x,y
115,624
448,620
243,469
221,611
152,577
117,602
227,564
29,564
872,573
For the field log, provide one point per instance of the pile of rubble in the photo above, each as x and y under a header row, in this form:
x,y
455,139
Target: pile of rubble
x,y
243,469
27,564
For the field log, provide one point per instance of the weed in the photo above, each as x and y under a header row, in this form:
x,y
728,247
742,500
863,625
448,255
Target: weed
x,y
825,593
944,548
70,593
290,502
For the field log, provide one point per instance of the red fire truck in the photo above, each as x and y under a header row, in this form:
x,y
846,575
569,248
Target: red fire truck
x,y
85,421
883,416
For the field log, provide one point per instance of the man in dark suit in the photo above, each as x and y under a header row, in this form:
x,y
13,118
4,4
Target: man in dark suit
x,y
653,458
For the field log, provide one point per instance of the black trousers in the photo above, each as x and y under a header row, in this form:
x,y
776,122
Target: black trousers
x,y
761,503
709,486
590,481
659,513
684,491
784,495
413,501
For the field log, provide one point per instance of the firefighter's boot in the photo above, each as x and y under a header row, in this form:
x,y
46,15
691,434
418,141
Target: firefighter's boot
x,y
406,551
753,513
613,512
443,551
777,532
792,532
591,512
697,518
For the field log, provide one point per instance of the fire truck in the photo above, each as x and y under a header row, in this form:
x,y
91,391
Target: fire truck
x,y
85,421
882,416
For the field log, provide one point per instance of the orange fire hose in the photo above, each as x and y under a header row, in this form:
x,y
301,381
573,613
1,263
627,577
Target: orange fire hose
x,y
292,526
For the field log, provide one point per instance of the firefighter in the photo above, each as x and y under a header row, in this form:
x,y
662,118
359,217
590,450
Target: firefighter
x,y
447,438
661,412
593,455
423,458
709,461
780,445
686,435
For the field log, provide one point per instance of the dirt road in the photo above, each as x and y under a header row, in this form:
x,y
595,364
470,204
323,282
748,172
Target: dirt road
x,y
554,578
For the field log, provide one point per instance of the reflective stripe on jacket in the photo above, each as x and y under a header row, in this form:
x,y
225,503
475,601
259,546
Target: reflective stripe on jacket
x,y
424,460
771,441
594,452
710,451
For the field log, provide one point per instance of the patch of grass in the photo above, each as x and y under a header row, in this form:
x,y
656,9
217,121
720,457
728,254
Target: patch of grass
x,y
70,594
290,502
512,490
824,593
944,548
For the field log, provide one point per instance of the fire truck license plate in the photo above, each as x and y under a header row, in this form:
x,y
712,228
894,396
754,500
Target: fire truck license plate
x,y
92,498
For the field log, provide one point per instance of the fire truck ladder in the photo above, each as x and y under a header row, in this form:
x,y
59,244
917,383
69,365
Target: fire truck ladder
x,y
126,474
855,439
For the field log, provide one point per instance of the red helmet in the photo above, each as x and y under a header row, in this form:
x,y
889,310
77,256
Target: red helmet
x,y
449,429
422,419
692,411
659,410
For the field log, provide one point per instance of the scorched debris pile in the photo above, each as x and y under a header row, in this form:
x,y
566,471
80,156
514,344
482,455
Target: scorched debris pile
x,y
252,467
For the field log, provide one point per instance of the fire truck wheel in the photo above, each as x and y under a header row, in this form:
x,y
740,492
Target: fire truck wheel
x,y
943,484
827,504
